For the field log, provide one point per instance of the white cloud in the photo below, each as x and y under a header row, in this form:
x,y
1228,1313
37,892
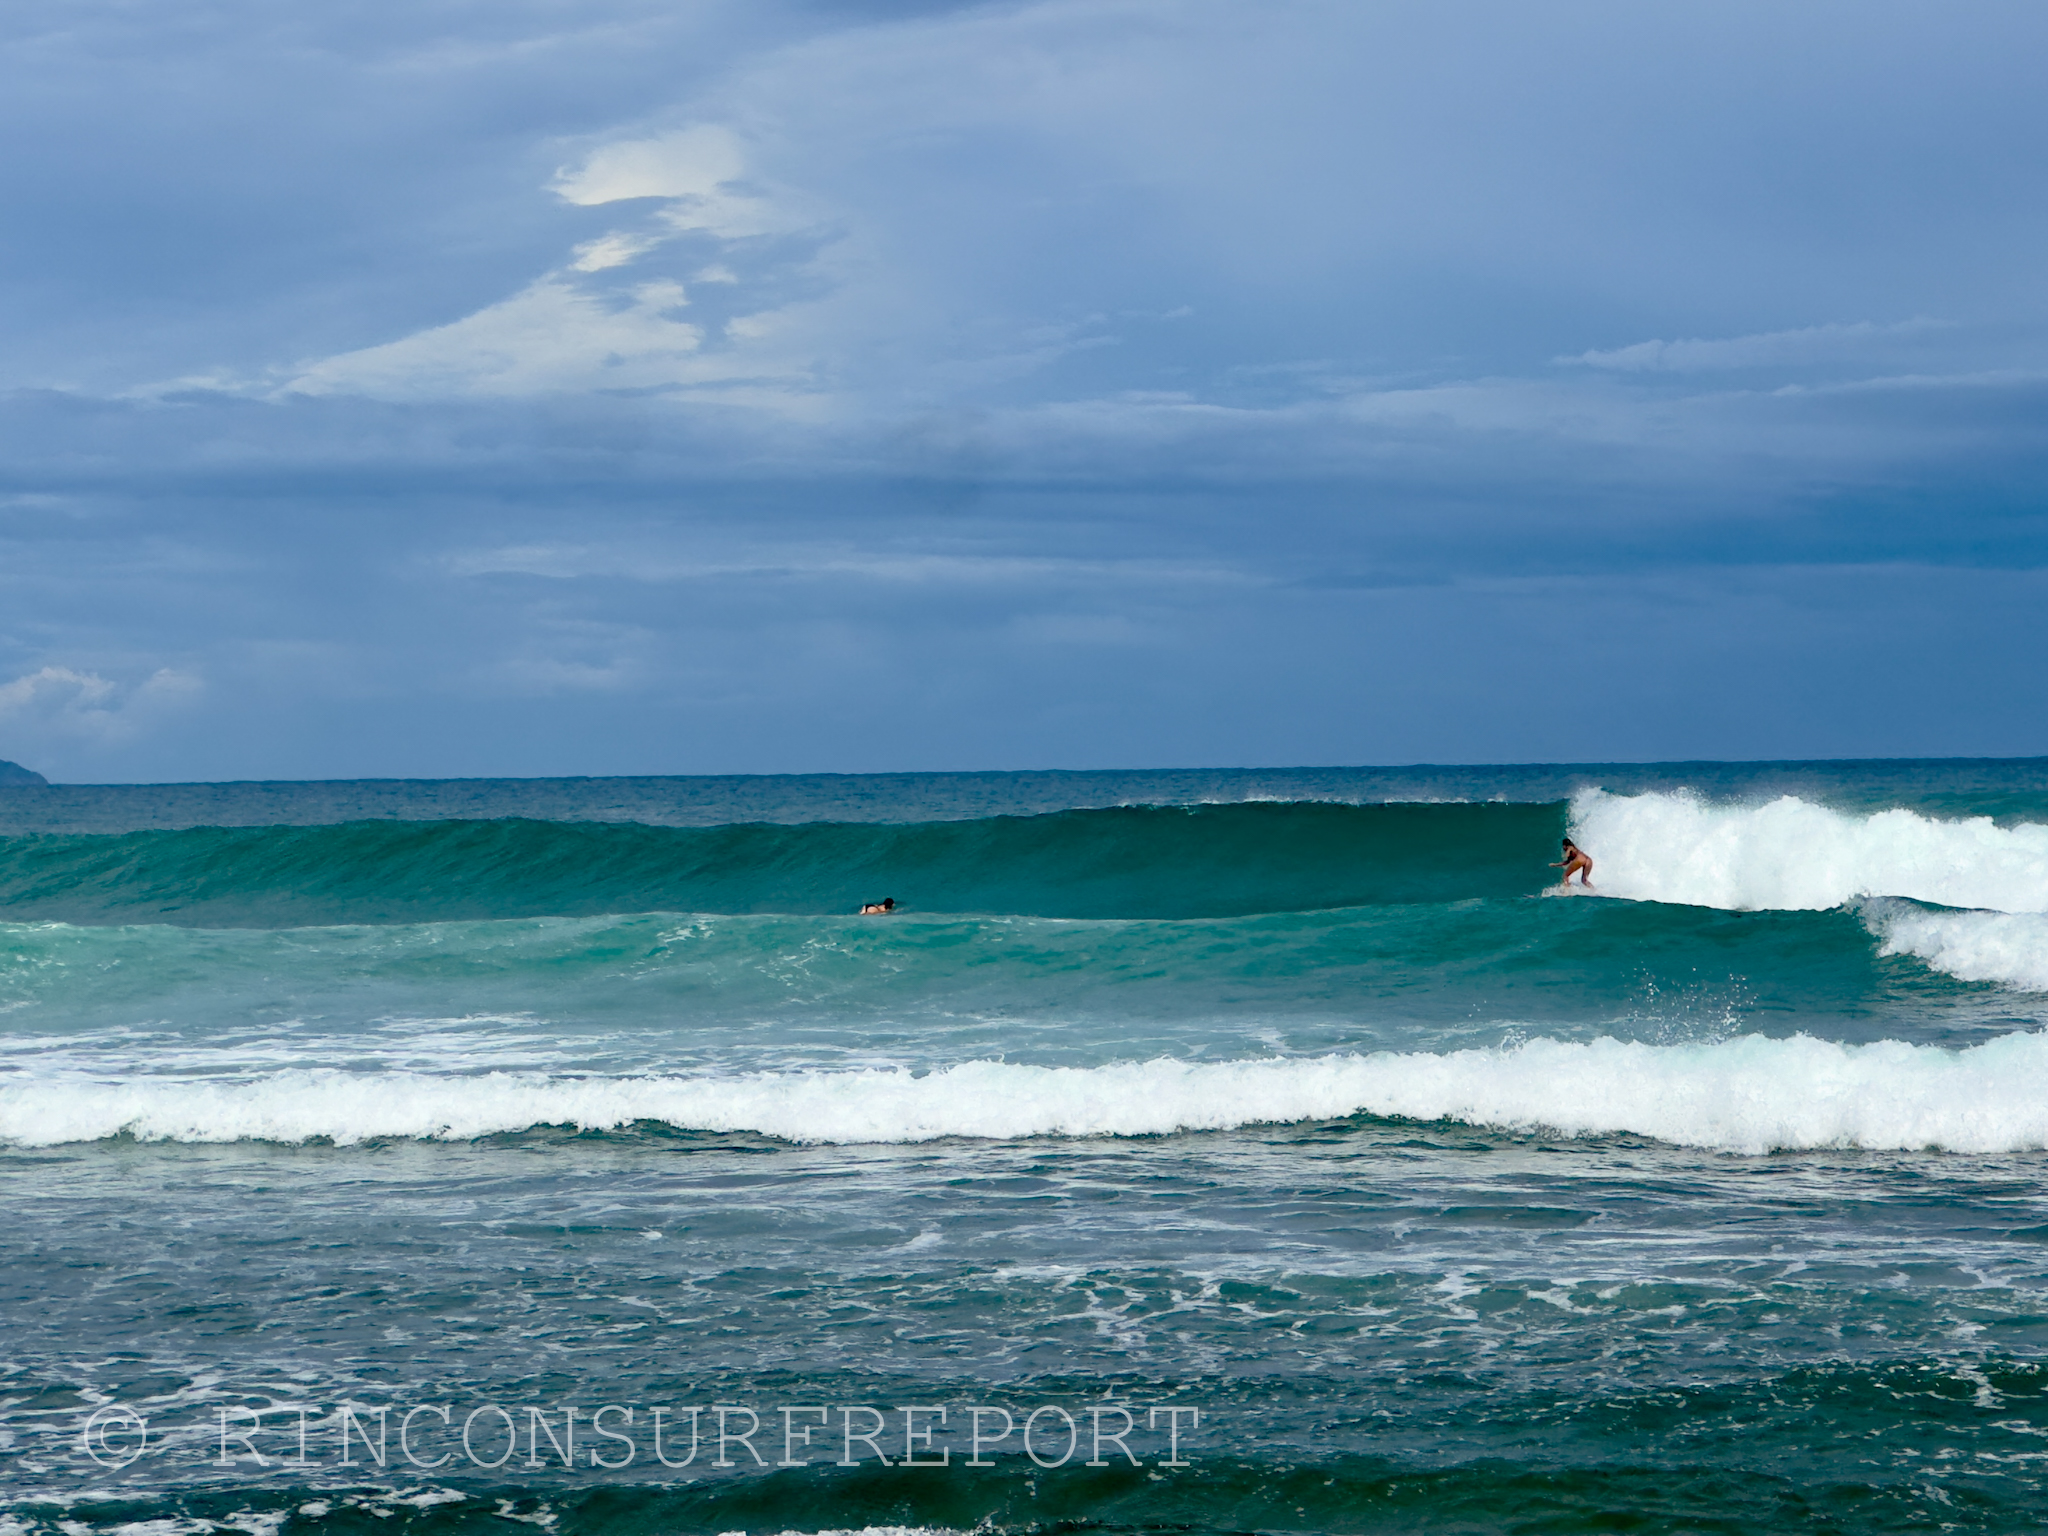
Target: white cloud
x,y
63,703
613,250
54,687
693,163
692,171
576,330
1764,349
925,162
553,336
866,298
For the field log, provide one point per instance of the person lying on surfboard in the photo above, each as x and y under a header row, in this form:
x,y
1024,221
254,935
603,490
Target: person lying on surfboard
x,y
1575,860
880,908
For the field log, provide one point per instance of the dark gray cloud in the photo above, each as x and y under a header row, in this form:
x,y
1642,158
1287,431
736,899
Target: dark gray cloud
x,y
626,387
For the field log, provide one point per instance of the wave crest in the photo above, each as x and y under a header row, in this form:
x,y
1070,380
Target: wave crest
x,y
2010,948
1791,855
1753,1094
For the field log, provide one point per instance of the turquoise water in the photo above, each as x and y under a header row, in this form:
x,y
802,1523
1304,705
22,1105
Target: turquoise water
x,y
1301,1101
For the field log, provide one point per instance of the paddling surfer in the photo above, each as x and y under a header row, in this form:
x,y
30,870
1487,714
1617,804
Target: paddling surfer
x,y
880,908
1575,860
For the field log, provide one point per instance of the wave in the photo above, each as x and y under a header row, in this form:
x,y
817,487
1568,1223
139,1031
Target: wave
x,y
2009,948
1752,1094
1132,862
672,992
1125,862
1793,855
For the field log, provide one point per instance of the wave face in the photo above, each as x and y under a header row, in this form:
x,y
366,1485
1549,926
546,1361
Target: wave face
x,y
1791,854
1138,862
1750,1094
1125,862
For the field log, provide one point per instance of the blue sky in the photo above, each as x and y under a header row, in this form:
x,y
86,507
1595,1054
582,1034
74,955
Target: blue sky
x,y
633,387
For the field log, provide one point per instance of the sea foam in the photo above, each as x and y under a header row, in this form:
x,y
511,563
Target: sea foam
x,y
1794,855
2010,948
1752,1094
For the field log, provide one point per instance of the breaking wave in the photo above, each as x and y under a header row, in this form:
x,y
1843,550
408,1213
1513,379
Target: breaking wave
x,y
1793,855
1751,1094
2009,948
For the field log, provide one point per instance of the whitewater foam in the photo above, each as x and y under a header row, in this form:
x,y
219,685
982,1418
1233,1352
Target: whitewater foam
x,y
1794,855
2010,948
1752,1094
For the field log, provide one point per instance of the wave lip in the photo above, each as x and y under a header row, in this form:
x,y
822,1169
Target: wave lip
x,y
1791,855
1751,1095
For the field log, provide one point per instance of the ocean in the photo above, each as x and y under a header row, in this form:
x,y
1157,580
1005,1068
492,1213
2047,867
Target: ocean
x,y
1189,1151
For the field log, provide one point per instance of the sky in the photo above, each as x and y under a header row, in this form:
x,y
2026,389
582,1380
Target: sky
x,y
525,387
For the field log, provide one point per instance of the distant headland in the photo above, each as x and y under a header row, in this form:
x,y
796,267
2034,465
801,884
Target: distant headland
x,y
14,776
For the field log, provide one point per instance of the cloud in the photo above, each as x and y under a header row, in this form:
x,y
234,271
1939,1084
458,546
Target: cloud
x,y
54,688
998,205
586,327
613,250
824,356
642,563
59,703
692,172
1765,349
693,163
553,336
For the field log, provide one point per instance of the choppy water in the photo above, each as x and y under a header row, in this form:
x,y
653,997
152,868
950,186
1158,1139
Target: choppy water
x,y
1712,1200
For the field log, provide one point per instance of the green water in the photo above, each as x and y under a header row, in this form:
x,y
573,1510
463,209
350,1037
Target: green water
x,y
545,1097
